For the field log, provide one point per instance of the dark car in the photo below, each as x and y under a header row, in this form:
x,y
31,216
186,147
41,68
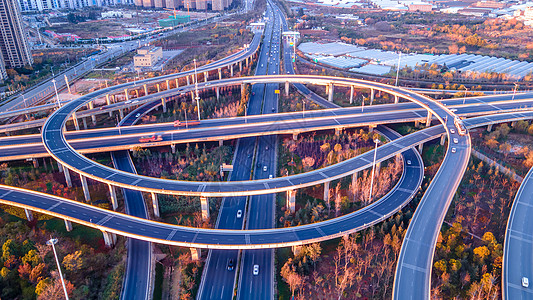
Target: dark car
x,y
231,265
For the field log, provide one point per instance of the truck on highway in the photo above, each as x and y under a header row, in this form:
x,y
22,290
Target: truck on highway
x,y
151,138
461,129
179,123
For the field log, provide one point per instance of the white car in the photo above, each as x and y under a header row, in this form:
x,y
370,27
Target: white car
x,y
137,115
408,162
239,214
256,270
454,150
452,131
455,140
265,168
525,282
270,176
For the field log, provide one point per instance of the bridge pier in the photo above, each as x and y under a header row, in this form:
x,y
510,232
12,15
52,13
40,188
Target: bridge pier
x,y
177,83
206,76
489,128
136,93
68,225
113,195
219,74
396,99
428,119
196,253
29,214
173,147
442,139
291,200
85,188
109,238
326,191
371,96
158,87
218,92
287,88
330,92
84,123
67,174
231,70
513,124
155,204
75,121
338,131
354,179
371,128
108,102
351,94
296,250
192,96
204,202
35,162
145,89
164,105
417,123
93,117
121,113
127,95
188,81
420,148
168,84
295,136
240,66
220,143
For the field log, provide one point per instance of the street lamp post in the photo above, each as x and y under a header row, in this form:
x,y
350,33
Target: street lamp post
x,y
373,170
197,98
514,91
464,96
398,68
52,242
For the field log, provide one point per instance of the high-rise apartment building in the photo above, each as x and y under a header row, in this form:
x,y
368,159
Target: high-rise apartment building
x,y
13,40
40,5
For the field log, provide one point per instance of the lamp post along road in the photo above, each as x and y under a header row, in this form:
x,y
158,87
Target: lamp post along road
x,y
464,96
373,170
197,98
52,242
514,91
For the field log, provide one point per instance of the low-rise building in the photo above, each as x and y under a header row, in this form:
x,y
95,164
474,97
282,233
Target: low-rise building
x,y
147,56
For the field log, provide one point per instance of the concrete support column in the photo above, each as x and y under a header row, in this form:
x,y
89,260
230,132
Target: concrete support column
x,y
93,117
145,90
127,95
204,202
378,167
121,113
240,66
295,136
177,83
417,123
196,253
291,200
85,188
326,191
354,179
287,88
113,195
192,96
109,238
513,124
371,96
489,128
155,205
220,143
136,93
243,88
84,123
108,102
75,120
396,99
188,81
330,92
67,174
442,139
371,128
338,131
428,119
219,74
351,94
296,250
206,76
68,225
35,163
168,84
420,148
218,92
164,105
29,214
231,70
173,147
158,87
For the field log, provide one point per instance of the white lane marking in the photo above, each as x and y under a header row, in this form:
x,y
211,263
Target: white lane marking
x,y
414,268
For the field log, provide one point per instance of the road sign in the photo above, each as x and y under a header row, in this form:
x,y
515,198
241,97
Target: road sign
x,y
276,92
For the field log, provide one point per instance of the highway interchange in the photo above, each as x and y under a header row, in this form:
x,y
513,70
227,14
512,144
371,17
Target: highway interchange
x,y
412,270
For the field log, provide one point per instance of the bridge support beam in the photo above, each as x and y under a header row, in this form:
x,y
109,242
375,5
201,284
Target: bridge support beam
x,y
428,119
220,143
109,238
155,204
188,81
68,225
164,105
396,99
295,136
206,76
231,70
85,188
417,123
326,191
240,66
489,128
177,83
442,139
127,95
338,131
145,90
217,89
121,113
158,87
196,253
291,200
29,214
330,92
67,174
113,195
35,162
219,74
136,93
287,88
420,148
513,124
354,179
371,96
371,128
204,202
351,94
173,147
108,102
75,121
93,117
192,96
168,84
